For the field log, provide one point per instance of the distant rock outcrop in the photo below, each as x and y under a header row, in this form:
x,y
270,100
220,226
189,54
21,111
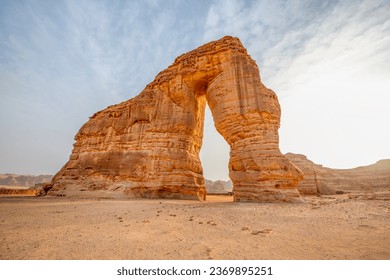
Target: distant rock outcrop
x,y
323,180
215,187
23,180
23,185
21,192
149,146
218,187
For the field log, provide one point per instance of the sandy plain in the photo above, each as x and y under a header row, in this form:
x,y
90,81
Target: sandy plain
x,y
332,227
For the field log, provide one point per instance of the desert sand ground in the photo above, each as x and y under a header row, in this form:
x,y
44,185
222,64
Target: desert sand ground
x,y
333,227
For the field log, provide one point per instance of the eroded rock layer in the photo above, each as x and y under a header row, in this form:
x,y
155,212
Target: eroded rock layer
x,y
20,192
149,146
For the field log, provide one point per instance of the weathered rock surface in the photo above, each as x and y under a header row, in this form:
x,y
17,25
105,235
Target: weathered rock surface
x,y
21,192
149,146
373,178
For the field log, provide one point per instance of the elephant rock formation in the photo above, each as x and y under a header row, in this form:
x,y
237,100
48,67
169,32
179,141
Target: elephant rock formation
x,y
149,145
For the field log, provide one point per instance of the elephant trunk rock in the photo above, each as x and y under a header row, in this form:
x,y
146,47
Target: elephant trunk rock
x,y
149,145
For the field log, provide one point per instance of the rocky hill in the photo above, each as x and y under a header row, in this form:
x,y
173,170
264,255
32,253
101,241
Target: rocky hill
x,y
23,180
218,187
318,179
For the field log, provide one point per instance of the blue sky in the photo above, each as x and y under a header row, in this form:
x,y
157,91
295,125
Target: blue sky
x,y
61,61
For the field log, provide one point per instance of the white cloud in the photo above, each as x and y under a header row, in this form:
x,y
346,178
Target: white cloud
x,y
335,92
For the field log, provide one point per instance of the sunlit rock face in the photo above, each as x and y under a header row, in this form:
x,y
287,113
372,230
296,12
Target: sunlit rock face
x,y
149,145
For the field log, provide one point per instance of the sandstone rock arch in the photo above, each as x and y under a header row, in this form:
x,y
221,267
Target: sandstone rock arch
x,y
149,145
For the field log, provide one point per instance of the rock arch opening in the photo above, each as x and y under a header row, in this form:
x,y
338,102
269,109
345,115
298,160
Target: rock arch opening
x,y
149,145
214,157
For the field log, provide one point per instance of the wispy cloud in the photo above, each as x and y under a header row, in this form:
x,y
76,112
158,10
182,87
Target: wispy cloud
x,y
328,62
62,61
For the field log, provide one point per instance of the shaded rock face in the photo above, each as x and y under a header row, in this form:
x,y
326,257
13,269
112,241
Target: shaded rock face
x,y
149,146
373,178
